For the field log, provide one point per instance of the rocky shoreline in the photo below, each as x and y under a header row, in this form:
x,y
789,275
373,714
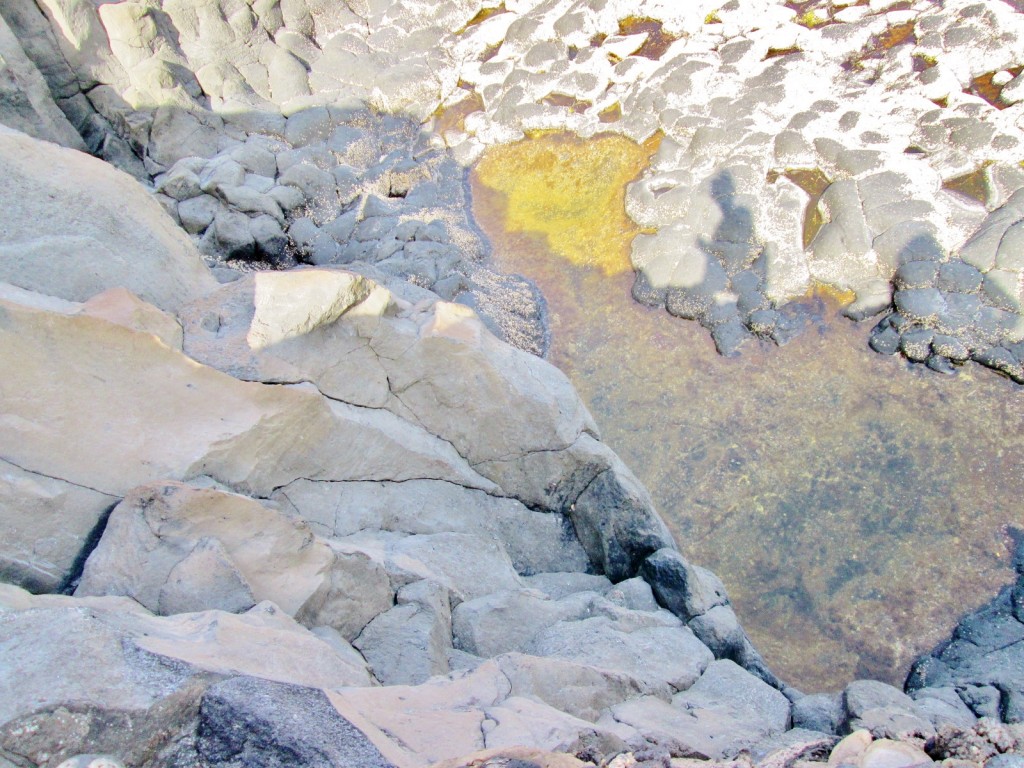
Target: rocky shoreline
x,y
283,479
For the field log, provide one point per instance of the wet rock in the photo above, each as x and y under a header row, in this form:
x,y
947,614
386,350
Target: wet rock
x,y
617,524
923,304
958,277
917,344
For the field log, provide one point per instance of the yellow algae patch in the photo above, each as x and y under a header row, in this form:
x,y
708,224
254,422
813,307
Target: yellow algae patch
x,y
571,191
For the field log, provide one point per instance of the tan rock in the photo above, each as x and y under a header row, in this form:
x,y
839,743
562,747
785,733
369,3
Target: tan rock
x,y
886,753
419,725
850,749
142,411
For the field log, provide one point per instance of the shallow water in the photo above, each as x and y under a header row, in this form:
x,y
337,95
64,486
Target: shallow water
x,y
855,506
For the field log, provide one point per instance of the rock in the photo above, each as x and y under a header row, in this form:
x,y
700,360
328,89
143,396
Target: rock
x,y
91,761
230,236
132,661
154,533
67,234
818,712
408,644
218,424
656,654
883,710
686,590
248,721
617,524
724,712
851,749
508,621
419,725
884,753
206,578
197,213
45,526
536,542
26,103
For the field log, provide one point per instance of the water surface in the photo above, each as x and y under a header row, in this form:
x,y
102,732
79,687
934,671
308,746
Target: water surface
x,y
854,505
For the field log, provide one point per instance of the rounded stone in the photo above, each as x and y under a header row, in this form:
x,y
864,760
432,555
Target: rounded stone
x,y
917,344
916,274
920,303
958,277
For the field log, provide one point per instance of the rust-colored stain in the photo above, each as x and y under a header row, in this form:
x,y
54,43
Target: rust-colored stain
x,y
974,185
814,182
984,87
568,102
658,40
775,53
481,17
611,114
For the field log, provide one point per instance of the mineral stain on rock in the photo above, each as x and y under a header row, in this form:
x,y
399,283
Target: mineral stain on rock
x,y
567,190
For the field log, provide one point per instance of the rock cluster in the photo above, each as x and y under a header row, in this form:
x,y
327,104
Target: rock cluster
x,y
324,515
873,148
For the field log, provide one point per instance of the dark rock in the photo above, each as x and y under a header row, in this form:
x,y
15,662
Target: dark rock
x,y
617,523
941,364
818,712
885,340
920,303
916,344
729,337
255,723
916,274
680,587
950,347
958,277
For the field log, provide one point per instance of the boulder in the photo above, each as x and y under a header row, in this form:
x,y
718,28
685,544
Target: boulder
x,y
183,420
67,233
250,721
157,536
45,526
724,712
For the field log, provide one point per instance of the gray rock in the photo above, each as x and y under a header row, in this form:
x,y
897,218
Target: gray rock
x,y
917,274
508,621
818,712
270,239
206,578
885,711
230,235
634,594
920,303
197,213
61,204
958,277
246,721
1004,289
308,126
63,518
909,241
559,585
943,706
179,183
221,172
657,655
1005,761
916,344
409,643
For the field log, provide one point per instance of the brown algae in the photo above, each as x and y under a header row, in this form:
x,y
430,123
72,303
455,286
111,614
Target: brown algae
x,y
570,191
